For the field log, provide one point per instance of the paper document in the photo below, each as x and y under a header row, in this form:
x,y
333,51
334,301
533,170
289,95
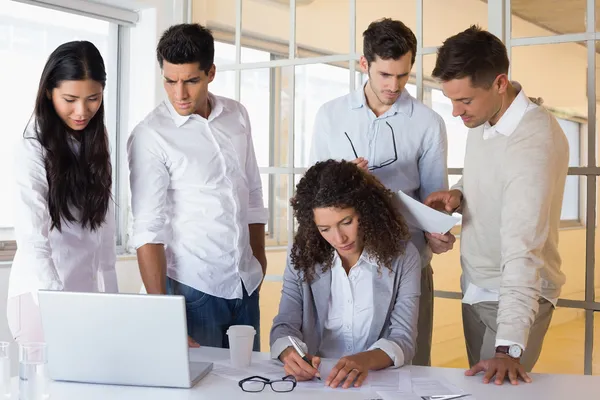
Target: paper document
x,y
396,380
425,218
398,396
431,387
267,369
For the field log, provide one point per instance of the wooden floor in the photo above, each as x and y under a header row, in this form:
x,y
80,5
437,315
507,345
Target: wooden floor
x,y
562,352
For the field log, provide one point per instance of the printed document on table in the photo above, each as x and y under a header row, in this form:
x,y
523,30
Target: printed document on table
x,y
266,368
432,387
425,218
394,380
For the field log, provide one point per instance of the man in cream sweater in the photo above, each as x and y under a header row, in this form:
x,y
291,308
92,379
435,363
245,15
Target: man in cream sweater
x,y
510,197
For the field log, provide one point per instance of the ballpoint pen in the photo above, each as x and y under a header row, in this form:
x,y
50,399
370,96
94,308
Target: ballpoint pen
x,y
302,354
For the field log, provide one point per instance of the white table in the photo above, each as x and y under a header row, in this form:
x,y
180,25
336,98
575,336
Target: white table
x,y
544,386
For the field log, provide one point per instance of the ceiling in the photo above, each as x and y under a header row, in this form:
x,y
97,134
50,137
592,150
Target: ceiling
x,y
558,16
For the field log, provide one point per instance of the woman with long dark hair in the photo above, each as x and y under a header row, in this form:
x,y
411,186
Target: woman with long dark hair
x,y
64,222
352,282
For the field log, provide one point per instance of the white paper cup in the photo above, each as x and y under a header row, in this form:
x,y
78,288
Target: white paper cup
x,y
241,339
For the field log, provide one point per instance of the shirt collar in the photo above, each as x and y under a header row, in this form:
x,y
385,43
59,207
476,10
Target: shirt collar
x,y
365,258
512,116
403,104
218,107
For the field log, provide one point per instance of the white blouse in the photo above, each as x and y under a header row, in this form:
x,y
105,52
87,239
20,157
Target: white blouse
x,y
76,259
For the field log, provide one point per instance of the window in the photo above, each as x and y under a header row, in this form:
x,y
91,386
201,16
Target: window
x,y
457,142
28,34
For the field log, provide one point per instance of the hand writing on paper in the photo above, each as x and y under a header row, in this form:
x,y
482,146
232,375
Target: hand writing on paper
x,y
445,200
192,342
352,370
502,366
294,365
361,163
440,243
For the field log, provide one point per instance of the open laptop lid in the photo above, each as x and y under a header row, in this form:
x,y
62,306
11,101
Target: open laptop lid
x,y
125,339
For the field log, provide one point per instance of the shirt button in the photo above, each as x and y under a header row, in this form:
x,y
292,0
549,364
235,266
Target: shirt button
x,y
348,327
349,301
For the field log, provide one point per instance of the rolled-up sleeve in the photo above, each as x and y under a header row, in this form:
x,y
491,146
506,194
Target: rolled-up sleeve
x,y
149,180
32,222
257,213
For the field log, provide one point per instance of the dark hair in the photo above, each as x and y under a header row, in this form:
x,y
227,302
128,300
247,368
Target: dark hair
x,y
472,53
187,44
82,180
342,184
388,39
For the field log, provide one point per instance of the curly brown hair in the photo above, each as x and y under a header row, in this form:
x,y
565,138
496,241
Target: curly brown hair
x,y
341,184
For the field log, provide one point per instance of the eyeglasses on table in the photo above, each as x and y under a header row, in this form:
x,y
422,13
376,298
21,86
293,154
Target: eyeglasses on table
x,y
255,384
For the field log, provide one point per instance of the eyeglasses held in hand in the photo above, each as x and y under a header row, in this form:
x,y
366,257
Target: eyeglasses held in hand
x,y
385,163
256,384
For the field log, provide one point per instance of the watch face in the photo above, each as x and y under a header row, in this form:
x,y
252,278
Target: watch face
x,y
515,351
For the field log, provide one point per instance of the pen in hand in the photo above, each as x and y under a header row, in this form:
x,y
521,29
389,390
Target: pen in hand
x,y
303,355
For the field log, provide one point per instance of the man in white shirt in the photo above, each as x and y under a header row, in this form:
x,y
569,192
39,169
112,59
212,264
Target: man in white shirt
x,y
196,195
510,196
401,141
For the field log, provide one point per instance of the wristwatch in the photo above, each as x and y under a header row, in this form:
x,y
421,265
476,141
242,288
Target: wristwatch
x,y
514,350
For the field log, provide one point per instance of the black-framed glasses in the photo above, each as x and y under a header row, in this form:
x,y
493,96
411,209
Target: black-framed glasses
x,y
255,384
385,163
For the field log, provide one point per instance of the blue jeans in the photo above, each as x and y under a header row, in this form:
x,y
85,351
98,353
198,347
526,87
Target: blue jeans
x,y
209,317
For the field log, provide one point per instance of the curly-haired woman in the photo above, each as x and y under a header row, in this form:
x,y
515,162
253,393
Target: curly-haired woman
x,y
352,282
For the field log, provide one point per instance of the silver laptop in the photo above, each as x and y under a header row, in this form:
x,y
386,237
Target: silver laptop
x,y
122,339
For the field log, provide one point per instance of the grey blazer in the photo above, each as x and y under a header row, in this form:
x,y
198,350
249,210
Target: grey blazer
x,y
303,307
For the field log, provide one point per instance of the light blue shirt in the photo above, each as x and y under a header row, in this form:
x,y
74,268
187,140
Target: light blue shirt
x,y
419,134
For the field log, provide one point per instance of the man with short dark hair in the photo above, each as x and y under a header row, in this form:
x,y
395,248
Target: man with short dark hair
x,y
510,196
196,195
384,130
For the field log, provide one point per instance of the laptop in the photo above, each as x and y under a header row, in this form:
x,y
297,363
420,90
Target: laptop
x,y
121,339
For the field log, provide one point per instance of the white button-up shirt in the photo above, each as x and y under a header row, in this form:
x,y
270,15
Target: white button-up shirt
x,y
350,313
409,132
195,187
76,259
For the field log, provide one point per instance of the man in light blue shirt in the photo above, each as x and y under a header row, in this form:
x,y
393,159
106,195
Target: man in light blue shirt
x,y
383,129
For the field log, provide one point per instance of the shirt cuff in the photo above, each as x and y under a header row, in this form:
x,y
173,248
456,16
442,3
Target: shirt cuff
x,y
283,343
258,216
140,239
391,349
502,342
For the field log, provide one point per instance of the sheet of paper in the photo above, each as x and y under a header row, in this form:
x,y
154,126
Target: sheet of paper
x,y
398,396
396,380
425,218
268,369
226,371
431,387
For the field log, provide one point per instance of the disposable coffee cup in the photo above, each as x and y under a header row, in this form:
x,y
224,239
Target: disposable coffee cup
x,y
241,339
